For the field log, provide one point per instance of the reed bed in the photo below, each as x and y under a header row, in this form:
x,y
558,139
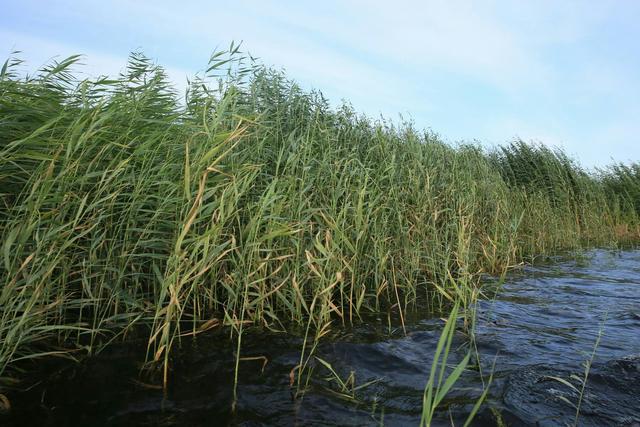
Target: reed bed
x,y
254,202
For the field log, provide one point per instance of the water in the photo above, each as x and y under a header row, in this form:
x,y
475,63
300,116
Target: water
x,y
547,315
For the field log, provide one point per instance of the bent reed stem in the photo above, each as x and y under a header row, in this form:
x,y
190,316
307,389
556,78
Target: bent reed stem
x,y
254,202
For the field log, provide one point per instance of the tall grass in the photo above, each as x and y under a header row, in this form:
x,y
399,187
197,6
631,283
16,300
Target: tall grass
x,y
252,202
622,182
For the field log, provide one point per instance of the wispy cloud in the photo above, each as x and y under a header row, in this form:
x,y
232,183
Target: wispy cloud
x,y
563,72
37,52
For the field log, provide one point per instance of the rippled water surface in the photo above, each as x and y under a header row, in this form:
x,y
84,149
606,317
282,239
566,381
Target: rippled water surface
x,y
544,315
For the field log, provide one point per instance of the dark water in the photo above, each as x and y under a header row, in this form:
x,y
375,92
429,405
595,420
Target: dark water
x,y
547,315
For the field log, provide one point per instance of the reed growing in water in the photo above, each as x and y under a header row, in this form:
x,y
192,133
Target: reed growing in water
x,y
254,202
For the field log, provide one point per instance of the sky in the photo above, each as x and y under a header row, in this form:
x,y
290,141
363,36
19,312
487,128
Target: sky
x,y
563,73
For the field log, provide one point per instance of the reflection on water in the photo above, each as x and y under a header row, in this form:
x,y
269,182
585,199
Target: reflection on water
x,y
548,314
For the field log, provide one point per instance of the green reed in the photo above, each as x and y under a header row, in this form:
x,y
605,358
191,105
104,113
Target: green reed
x,y
253,202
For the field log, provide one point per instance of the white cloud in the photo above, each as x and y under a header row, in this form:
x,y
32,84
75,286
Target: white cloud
x,y
36,52
490,69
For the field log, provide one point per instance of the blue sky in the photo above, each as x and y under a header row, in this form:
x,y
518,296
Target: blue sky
x,y
565,73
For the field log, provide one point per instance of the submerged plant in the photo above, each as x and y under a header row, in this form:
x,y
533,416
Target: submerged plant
x,y
346,388
580,381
